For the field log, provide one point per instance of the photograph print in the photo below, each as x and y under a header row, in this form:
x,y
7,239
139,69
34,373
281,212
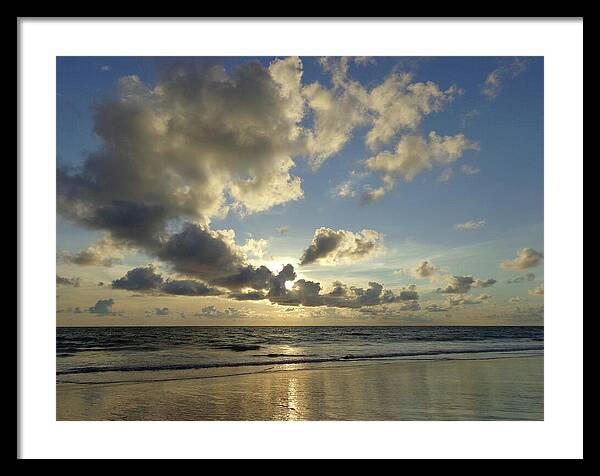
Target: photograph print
x,y
300,238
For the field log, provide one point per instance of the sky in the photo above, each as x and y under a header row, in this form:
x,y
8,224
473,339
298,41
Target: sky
x,y
300,191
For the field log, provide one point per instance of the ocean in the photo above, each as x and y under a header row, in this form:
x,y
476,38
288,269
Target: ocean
x,y
129,354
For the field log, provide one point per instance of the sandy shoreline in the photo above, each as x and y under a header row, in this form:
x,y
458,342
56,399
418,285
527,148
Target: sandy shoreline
x,y
495,389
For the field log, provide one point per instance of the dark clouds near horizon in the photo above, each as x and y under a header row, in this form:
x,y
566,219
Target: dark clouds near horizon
x,y
272,287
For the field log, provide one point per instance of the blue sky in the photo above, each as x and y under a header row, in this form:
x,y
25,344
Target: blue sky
x,y
497,104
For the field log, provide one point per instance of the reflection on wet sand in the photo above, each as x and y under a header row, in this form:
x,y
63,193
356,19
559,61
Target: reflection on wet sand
x,y
496,389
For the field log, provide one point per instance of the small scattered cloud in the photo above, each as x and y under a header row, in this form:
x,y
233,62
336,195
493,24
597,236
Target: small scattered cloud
x,y
344,190
349,187
484,283
469,116
103,306
526,258
470,225
215,313
424,270
469,169
106,252
446,175
485,297
332,246
365,60
538,291
496,79
65,281
466,300
521,279
415,154
457,285
73,310
105,67
463,284
436,308
370,195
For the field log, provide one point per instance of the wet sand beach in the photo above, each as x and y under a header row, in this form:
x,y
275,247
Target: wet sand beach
x,y
504,388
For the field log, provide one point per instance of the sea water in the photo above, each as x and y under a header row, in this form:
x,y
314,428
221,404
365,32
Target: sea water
x,y
123,354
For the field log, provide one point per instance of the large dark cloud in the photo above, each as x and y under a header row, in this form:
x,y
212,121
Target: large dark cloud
x,y
198,143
